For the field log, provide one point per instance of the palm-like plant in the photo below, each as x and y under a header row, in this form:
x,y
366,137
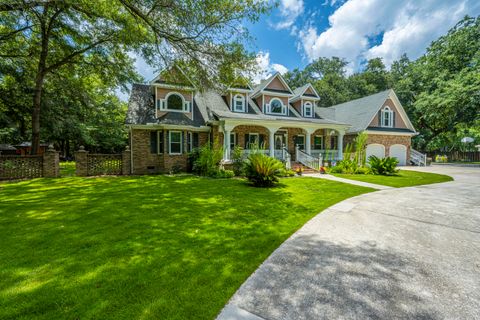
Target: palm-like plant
x,y
262,170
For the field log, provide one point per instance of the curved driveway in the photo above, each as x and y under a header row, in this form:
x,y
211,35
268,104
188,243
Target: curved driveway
x,y
409,253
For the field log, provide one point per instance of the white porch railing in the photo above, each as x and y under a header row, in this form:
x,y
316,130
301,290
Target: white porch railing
x,y
307,159
325,154
418,158
280,154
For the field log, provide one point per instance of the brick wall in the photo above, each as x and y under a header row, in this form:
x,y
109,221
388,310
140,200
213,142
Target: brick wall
x,y
145,162
241,131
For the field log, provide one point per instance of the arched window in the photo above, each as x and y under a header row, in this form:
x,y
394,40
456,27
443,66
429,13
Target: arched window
x,y
174,102
308,109
277,107
387,117
239,103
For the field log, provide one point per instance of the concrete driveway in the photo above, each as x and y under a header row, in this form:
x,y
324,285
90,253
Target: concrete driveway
x,y
410,253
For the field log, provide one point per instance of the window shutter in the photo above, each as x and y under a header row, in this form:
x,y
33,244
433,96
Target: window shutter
x,y
160,144
167,140
195,140
393,120
380,118
246,140
153,142
183,147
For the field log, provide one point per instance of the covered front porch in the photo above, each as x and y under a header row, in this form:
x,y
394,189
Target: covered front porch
x,y
283,139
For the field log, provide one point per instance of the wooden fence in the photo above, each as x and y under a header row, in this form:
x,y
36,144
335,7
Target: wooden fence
x,y
457,156
20,167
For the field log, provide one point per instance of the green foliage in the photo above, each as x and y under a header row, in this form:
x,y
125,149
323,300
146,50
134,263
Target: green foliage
x,y
286,173
360,149
262,170
363,170
238,161
345,166
383,166
224,174
209,159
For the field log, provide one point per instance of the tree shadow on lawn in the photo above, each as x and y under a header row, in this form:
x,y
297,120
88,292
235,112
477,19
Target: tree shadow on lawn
x,y
138,247
308,278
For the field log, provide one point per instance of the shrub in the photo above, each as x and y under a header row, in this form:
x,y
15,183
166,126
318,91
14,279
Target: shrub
x,y
286,173
345,166
262,170
209,159
192,158
384,166
336,169
238,161
362,170
224,174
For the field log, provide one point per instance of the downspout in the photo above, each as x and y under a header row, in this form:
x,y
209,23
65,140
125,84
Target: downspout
x,y
131,150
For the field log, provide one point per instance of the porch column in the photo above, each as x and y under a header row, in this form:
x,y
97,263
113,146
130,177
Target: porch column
x,y
340,144
227,129
308,140
271,140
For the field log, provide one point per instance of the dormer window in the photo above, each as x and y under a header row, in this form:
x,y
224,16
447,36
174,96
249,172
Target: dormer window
x,y
308,109
276,106
174,102
387,117
239,103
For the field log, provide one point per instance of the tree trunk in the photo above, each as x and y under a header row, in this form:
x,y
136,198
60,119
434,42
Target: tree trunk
x,y
37,100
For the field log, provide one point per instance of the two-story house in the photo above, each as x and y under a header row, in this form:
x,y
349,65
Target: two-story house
x,y
167,120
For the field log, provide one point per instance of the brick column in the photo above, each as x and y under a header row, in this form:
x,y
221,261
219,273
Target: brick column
x,y
126,161
81,162
51,164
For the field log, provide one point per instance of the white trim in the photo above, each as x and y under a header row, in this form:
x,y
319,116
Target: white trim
x,y
304,108
301,95
170,142
383,113
235,100
398,105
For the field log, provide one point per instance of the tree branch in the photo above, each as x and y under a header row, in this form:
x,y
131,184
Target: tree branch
x,y
23,5
67,59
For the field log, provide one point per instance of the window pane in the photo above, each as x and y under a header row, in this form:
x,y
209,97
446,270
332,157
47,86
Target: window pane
x,y
175,137
238,103
175,142
174,102
232,141
175,148
276,106
317,143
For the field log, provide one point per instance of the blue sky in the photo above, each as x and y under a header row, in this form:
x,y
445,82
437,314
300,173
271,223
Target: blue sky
x,y
299,31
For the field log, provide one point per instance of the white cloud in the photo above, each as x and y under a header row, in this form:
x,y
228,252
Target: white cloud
x,y
408,26
289,11
266,68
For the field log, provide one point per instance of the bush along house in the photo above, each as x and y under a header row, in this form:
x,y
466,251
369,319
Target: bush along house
x,y
169,117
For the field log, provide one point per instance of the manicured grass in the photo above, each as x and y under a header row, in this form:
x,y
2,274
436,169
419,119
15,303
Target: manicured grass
x,y
67,168
405,178
153,247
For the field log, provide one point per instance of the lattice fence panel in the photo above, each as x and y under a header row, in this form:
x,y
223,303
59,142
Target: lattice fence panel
x,y
20,167
104,164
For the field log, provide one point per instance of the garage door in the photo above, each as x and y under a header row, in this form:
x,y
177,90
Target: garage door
x,y
376,150
399,151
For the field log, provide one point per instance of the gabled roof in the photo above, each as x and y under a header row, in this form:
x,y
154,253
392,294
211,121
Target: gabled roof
x,y
299,92
264,83
173,76
360,112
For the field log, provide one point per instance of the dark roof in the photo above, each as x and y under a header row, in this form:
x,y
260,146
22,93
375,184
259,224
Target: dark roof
x,y
141,107
390,129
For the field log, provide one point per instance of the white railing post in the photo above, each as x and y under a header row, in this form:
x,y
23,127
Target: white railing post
x,y
296,152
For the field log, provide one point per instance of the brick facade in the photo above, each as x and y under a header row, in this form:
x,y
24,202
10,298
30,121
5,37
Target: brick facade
x,y
146,162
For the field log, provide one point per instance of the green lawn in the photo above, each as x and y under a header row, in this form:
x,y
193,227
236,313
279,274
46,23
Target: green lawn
x,y
405,178
67,168
153,247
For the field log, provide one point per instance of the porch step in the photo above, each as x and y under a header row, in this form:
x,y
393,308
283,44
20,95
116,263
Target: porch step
x,y
296,165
